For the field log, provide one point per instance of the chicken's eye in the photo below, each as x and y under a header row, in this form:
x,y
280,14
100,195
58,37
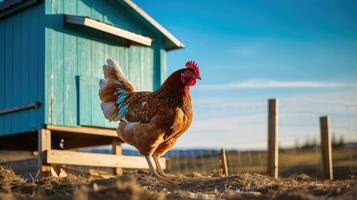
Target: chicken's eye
x,y
188,73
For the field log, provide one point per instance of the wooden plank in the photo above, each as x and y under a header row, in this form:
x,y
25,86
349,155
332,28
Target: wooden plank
x,y
58,74
2,74
18,74
163,66
70,71
38,64
44,144
97,63
84,130
148,70
48,70
156,64
273,145
116,150
326,149
9,34
134,66
223,162
98,160
88,22
27,65
84,53
58,68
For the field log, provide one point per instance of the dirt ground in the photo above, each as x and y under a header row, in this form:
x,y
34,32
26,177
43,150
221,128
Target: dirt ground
x,y
140,185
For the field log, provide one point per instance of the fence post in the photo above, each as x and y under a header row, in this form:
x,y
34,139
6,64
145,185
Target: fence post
x,y
116,150
273,145
223,162
326,149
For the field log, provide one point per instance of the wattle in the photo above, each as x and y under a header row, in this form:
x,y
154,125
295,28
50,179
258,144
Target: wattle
x,y
190,82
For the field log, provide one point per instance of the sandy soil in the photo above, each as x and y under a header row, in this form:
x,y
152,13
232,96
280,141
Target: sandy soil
x,y
140,185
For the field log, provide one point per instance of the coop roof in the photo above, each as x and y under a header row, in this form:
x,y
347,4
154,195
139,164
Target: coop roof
x,y
170,41
10,6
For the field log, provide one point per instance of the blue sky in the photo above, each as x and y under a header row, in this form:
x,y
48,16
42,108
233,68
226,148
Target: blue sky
x,y
302,52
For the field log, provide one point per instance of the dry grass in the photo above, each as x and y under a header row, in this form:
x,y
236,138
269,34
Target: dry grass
x,y
9,179
140,185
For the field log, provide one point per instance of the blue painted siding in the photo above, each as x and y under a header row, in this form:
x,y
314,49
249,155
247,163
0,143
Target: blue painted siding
x,y
21,69
74,59
41,60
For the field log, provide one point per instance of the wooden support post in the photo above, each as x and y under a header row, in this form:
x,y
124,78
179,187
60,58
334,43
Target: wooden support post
x,y
116,150
44,144
223,162
273,145
326,149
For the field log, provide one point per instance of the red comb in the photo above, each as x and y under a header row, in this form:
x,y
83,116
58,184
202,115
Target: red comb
x,y
193,65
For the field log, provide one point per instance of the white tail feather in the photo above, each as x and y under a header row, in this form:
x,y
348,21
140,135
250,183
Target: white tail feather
x,y
102,83
113,75
114,65
109,111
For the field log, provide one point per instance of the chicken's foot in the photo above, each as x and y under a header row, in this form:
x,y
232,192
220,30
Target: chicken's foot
x,y
152,170
159,169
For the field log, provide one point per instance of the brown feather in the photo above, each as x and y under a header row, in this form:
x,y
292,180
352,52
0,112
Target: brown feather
x,y
162,117
154,120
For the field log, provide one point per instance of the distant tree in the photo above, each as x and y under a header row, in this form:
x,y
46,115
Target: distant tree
x,y
341,141
314,143
337,143
307,144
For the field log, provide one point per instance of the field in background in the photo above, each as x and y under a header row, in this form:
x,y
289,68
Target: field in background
x,y
291,162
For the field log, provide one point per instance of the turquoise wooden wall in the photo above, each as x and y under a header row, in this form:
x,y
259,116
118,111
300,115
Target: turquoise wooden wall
x,y
74,59
21,69
41,60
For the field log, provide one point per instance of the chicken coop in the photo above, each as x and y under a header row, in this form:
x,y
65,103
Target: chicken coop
x,y
51,58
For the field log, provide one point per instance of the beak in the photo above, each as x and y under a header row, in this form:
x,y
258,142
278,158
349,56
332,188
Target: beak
x,y
198,77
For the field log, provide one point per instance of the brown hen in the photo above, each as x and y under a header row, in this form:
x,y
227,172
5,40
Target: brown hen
x,y
149,121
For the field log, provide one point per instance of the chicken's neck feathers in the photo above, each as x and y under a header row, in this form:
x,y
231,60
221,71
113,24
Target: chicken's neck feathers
x,y
174,92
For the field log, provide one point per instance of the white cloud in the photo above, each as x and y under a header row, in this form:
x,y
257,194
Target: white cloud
x,y
264,84
247,50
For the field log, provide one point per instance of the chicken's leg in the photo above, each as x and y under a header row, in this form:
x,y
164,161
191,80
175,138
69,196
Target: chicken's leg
x,y
152,170
158,167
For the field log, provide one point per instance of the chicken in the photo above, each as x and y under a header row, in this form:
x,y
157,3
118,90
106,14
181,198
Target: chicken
x,y
149,121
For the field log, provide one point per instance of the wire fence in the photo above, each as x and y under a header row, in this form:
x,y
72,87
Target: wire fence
x,y
299,137
291,162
